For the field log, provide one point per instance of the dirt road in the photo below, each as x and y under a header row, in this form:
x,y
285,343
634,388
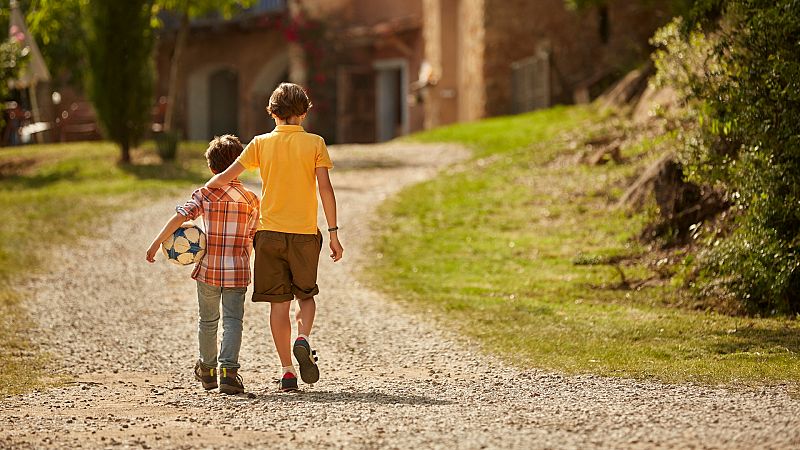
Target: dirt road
x,y
123,332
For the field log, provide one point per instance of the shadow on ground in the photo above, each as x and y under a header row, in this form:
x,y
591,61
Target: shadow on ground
x,y
363,163
351,397
747,339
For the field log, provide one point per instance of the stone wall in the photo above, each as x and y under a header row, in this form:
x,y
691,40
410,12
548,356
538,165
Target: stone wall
x,y
515,29
256,55
360,12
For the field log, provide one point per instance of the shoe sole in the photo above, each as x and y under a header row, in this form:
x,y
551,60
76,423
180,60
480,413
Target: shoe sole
x,y
309,372
230,390
293,389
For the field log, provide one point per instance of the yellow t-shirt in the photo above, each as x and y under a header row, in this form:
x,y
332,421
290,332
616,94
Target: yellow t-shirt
x,y
286,159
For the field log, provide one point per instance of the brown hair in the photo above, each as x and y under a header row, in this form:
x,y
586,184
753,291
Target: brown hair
x,y
223,151
288,100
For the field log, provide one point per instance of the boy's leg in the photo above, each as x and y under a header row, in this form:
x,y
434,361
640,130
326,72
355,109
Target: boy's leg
x,y
303,257
305,315
272,283
282,336
208,302
306,357
281,328
232,316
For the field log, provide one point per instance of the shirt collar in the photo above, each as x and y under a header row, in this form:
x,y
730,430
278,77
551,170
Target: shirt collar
x,y
288,128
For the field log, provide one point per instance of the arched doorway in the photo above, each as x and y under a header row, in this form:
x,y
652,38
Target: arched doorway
x,y
223,112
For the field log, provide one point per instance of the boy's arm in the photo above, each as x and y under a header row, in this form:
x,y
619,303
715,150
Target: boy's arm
x,y
226,176
172,224
329,207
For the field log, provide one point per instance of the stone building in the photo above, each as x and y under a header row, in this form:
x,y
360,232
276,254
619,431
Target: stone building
x,y
491,57
226,72
384,68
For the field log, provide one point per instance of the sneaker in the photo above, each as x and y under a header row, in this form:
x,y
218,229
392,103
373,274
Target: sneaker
x,y
288,383
307,359
207,376
231,382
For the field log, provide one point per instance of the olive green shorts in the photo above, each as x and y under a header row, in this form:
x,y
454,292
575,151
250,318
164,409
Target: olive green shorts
x,y
285,266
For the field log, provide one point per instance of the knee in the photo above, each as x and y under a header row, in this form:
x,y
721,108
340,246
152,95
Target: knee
x,y
306,302
209,322
279,308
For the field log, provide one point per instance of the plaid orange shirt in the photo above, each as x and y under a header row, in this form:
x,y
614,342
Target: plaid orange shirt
x,y
230,214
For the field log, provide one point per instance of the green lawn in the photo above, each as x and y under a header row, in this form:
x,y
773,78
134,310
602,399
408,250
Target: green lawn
x,y
52,194
500,251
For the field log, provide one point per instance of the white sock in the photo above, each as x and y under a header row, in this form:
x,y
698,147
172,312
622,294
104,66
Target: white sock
x,y
286,369
304,337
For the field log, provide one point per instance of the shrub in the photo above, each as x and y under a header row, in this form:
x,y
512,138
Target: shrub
x,y
741,81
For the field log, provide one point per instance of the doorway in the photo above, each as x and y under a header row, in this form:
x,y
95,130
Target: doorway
x,y
355,118
223,114
390,98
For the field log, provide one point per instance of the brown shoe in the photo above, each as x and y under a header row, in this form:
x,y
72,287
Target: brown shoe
x,y
230,382
207,376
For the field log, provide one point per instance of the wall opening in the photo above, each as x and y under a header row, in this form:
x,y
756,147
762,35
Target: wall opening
x,y
604,24
223,112
391,120
355,118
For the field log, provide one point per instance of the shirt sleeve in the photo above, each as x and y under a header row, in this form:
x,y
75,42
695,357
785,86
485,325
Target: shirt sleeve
x,y
323,158
249,157
193,208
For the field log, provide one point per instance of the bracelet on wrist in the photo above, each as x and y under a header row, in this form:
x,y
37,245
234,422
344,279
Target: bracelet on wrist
x,y
332,229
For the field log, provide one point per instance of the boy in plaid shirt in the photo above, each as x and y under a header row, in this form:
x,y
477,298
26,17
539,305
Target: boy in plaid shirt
x,y
230,214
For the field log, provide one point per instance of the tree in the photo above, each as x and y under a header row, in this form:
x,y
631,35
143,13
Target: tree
x,y
119,40
54,25
11,61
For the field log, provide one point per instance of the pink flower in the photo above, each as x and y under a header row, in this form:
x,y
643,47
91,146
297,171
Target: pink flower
x,y
16,33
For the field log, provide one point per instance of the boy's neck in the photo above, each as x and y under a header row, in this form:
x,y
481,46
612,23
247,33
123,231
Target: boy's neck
x,y
294,120
234,180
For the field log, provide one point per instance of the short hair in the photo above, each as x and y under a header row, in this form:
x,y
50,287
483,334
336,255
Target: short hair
x,y
288,100
222,152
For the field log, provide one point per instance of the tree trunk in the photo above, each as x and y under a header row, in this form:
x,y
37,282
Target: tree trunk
x,y
125,158
172,89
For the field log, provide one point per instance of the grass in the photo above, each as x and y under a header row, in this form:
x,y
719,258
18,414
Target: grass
x,y
510,250
51,195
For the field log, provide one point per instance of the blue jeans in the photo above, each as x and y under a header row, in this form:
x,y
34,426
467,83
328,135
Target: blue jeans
x,y
208,297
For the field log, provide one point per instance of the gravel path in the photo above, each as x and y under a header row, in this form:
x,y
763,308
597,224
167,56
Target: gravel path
x,y
123,332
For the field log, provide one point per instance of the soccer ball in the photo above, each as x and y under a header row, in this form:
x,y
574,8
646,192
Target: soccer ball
x,y
187,245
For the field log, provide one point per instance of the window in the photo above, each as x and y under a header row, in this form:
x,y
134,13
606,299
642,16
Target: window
x,y
264,6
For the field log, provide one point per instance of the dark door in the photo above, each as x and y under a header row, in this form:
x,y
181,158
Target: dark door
x,y
223,103
356,105
390,104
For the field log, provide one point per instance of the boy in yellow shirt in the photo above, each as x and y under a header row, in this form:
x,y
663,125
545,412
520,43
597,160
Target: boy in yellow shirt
x,y
292,163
